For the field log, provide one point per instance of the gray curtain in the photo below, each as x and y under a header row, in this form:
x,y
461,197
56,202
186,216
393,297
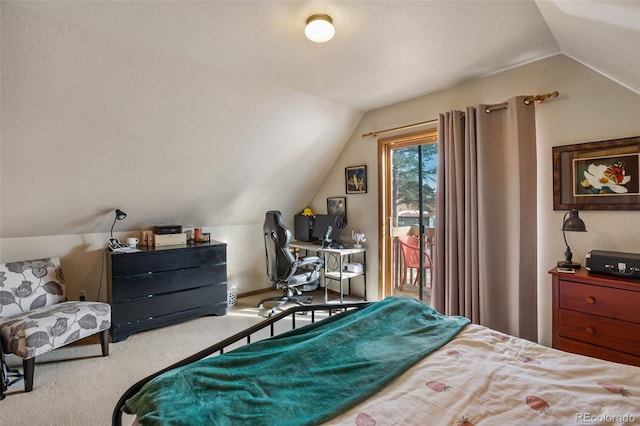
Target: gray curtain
x,y
485,265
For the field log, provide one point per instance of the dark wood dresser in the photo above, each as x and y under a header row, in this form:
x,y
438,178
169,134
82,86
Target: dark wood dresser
x,y
597,315
160,286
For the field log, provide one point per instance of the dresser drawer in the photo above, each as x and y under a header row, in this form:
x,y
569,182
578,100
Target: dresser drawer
x,y
606,332
166,259
156,283
201,298
603,301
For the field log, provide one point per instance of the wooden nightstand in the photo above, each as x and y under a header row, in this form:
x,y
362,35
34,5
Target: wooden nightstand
x,y
597,315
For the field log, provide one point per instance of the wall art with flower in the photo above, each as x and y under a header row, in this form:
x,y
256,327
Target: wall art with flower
x,y
603,175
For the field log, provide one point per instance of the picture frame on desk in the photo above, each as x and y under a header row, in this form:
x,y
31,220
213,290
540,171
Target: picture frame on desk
x,y
147,237
337,206
602,175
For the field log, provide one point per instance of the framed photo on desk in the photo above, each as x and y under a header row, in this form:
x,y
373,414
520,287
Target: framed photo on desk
x,y
337,206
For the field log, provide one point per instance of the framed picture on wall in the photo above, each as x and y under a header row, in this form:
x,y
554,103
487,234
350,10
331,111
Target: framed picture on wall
x,y
337,206
356,179
602,175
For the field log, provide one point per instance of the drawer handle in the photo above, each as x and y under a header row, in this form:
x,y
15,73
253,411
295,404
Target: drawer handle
x,y
590,330
591,300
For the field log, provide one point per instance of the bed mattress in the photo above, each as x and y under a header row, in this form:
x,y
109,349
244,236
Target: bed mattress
x,y
483,377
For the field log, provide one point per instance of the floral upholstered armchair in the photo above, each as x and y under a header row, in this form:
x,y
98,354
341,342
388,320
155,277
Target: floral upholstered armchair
x,y
36,318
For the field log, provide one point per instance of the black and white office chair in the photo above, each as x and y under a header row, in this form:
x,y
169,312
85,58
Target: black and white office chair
x,y
285,272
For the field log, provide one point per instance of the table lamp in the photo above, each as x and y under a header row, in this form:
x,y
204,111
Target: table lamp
x,y
119,216
571,222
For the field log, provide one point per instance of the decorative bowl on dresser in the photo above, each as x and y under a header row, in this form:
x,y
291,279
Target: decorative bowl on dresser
x,y
159,286
597,315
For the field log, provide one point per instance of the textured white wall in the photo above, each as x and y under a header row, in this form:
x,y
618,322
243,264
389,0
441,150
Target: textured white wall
x,y
92,122
590,108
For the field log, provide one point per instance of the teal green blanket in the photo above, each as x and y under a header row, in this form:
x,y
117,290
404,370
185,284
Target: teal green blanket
x,y
303,377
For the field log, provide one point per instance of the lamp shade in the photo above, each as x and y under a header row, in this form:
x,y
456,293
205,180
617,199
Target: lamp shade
x,y
573,222
319,28
120,214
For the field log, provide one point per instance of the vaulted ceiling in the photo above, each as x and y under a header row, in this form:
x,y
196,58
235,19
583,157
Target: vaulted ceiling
x,y
384,51
234,88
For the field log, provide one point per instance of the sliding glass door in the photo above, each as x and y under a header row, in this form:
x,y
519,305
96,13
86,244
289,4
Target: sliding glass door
x,y
408,183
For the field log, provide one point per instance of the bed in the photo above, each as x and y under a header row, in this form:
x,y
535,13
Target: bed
x,y
396,361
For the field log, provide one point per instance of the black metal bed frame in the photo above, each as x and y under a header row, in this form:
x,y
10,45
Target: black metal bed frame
x,y
116,419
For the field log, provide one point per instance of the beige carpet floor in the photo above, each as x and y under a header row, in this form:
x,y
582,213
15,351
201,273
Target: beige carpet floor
x,y
75,385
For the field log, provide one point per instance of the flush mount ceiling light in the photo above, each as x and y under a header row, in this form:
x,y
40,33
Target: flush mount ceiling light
x,y
319,28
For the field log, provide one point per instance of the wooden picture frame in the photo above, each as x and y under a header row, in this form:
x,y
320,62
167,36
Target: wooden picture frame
x,y
337,206
602,175
355,179
147,238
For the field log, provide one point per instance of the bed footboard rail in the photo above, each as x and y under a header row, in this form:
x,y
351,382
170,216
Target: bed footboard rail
x,y
245,334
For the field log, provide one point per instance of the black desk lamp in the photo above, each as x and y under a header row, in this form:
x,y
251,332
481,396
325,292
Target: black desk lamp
x,y
571,223
119,216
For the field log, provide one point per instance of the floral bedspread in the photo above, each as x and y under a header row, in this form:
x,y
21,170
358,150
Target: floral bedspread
x,y
483,377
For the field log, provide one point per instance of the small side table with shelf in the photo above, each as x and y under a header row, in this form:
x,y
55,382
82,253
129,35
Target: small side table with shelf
x,y
338,272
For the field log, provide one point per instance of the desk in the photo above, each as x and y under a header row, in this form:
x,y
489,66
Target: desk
x,y
338,274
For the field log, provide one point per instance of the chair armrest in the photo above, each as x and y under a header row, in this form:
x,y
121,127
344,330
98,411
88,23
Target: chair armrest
x,y
310,260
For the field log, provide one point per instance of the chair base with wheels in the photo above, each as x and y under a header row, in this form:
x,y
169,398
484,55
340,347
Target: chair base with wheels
x,y
306,279
291,295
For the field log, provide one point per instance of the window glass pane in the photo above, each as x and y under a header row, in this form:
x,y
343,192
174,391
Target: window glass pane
x,y
413,193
